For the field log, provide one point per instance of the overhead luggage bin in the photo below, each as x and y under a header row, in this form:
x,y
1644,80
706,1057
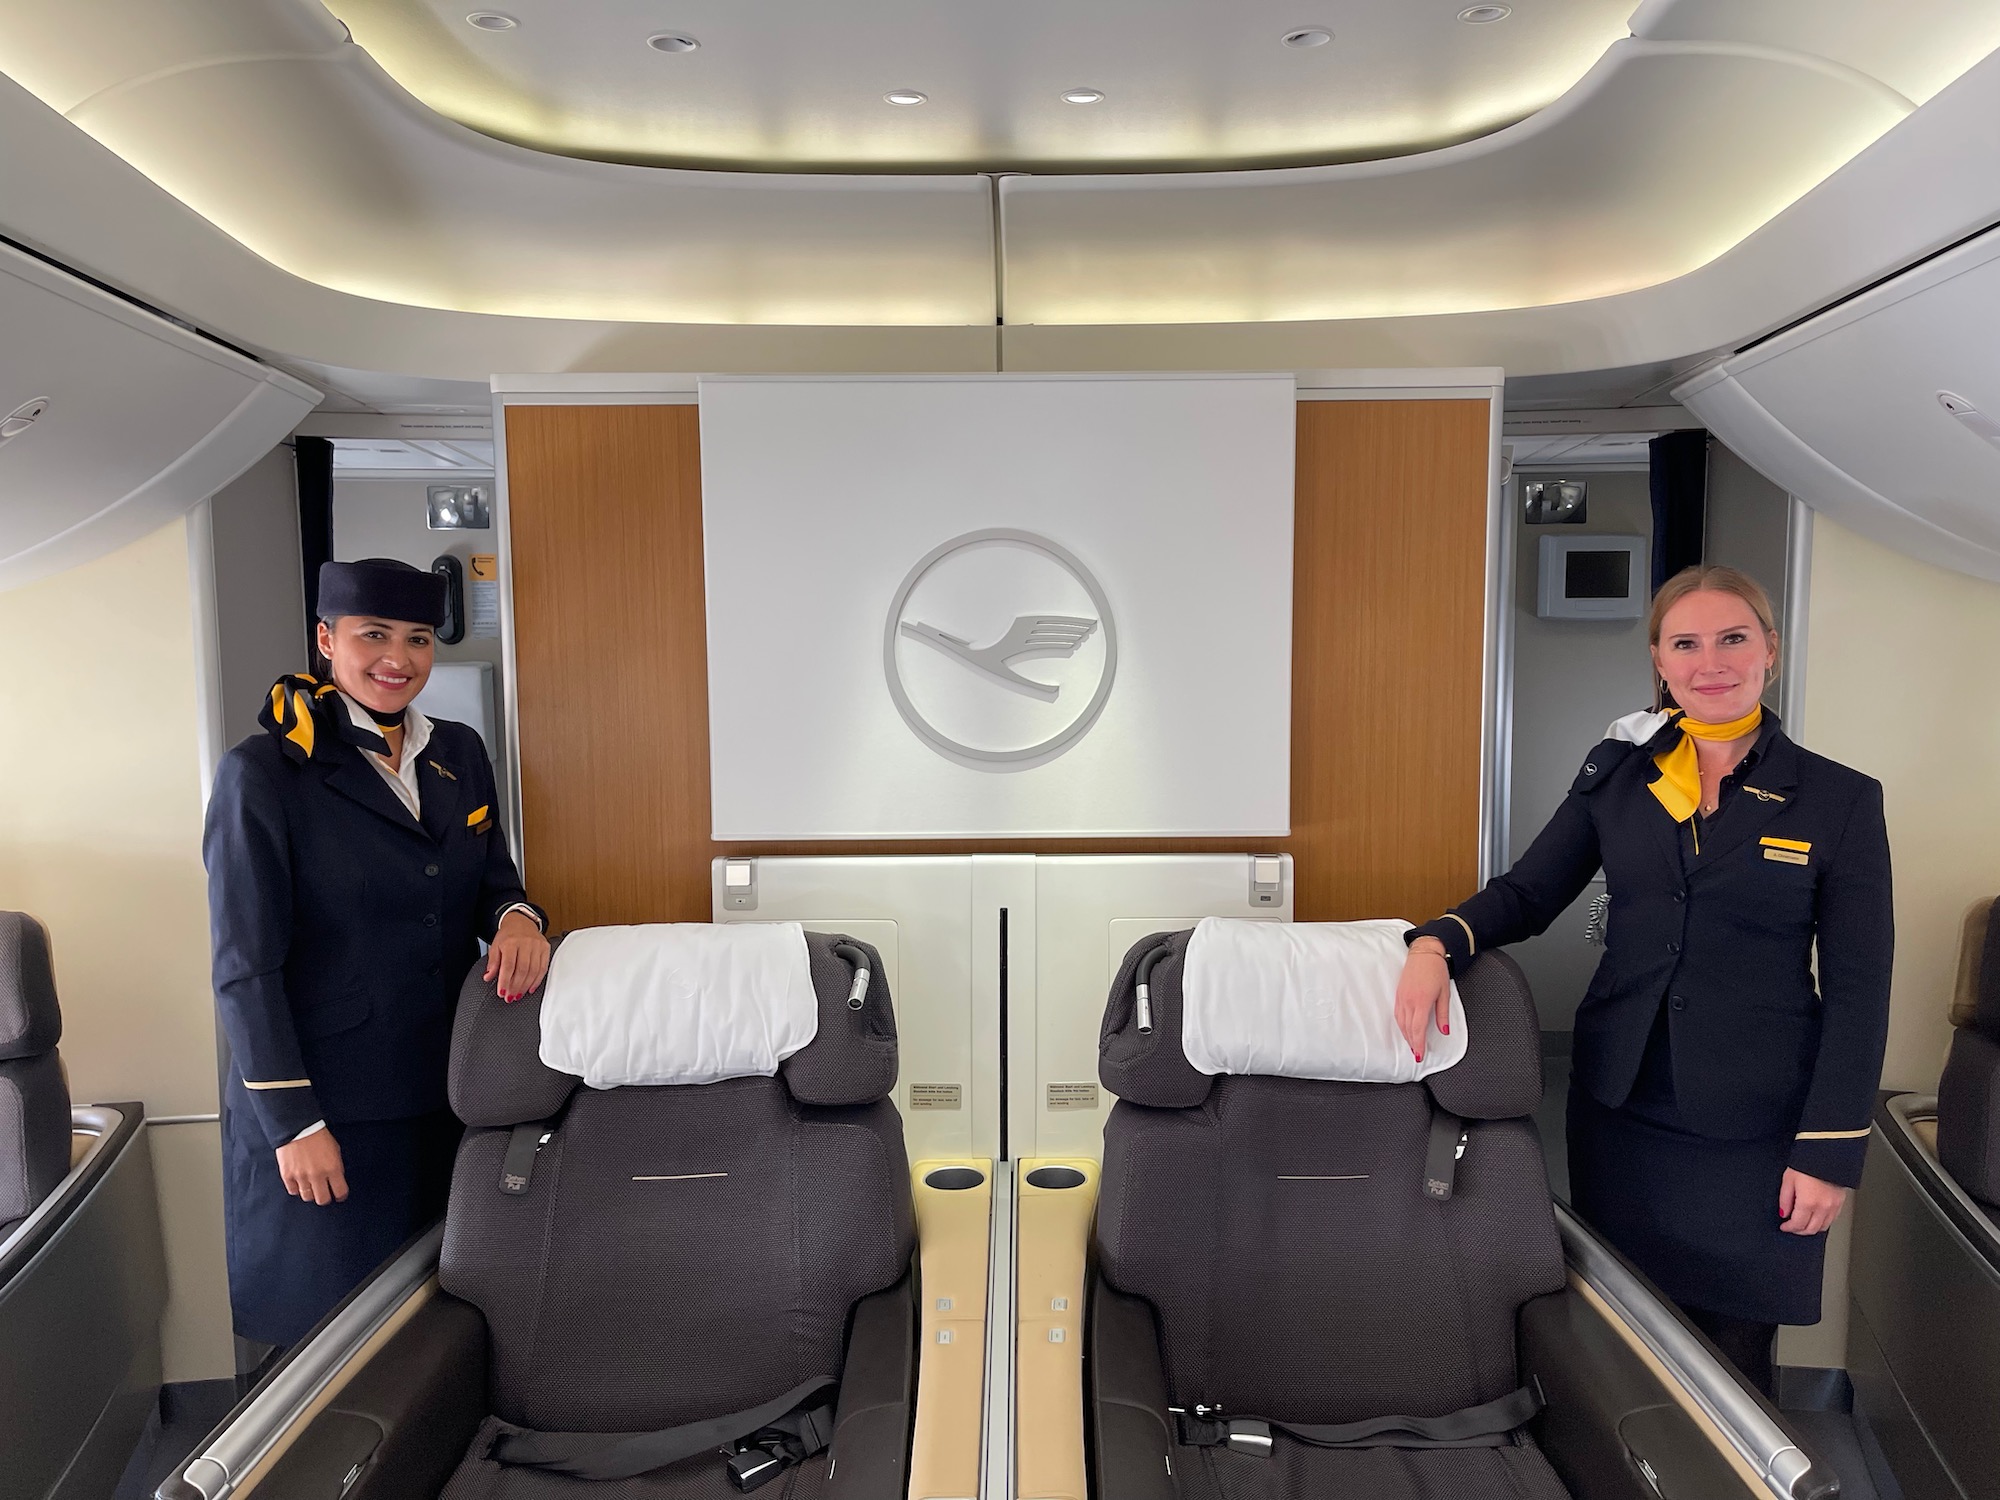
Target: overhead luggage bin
x,y
1364,1288
1923,1339
663,1267
83,1276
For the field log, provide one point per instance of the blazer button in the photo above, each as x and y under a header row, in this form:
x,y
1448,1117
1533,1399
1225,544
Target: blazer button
x,y
1678,1003
430,919
1673,947
1680,895
430,869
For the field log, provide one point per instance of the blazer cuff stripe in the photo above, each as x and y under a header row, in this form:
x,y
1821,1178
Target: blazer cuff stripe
x,y
1471,942
1831,1135
281,1083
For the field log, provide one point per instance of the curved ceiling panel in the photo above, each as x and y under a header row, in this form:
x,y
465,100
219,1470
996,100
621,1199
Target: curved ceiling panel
x,y
1849,412
1184,82
313,159
142,420
1621,185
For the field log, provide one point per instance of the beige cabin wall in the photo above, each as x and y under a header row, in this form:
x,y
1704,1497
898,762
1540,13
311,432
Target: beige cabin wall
x,y
1899,685
100,837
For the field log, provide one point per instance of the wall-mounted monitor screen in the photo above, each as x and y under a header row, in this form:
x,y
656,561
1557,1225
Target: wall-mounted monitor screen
x,y
1592,578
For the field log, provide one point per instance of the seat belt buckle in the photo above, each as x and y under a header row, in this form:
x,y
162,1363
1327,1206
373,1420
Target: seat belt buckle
x,y
1248,1435
751,1468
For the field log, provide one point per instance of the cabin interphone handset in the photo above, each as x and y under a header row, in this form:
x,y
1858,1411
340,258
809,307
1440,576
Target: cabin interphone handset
x,y
452,630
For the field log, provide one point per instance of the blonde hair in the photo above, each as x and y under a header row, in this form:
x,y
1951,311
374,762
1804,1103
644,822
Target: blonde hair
x,y
1717,578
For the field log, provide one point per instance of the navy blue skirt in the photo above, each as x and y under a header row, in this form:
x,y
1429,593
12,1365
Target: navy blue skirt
x,y
1698,1216
291,1260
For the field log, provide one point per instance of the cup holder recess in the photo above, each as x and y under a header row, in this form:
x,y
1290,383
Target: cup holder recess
x,y
954,1179
1055,1177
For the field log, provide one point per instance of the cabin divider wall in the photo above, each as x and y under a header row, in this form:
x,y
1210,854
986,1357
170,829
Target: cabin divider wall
x,y
610,676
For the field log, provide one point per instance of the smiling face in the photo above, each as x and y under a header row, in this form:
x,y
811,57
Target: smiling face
x,y
381,664
1714,655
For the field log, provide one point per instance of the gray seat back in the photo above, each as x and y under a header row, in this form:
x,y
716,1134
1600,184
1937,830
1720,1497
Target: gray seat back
x,y
34,1098
1968,1117
680,1252
1281,1230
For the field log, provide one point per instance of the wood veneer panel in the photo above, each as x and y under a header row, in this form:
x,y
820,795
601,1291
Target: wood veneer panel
x,y
611,651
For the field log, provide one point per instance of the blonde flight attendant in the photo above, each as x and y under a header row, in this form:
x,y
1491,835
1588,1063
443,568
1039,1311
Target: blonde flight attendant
x,y
355,861
1720,1097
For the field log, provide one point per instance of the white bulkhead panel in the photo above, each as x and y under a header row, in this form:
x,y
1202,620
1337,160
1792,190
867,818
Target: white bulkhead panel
x,y
1884,412
1090,909
114,421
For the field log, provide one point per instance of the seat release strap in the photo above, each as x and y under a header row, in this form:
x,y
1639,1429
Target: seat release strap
x,y
626,1455
1446,1145
517,1167
1487,1425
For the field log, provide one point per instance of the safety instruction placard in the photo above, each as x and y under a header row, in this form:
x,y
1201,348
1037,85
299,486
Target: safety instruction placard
x,y
482,589
936,1096
1072,1096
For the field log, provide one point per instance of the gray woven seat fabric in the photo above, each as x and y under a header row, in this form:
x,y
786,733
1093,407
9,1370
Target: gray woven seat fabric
x,y
680,1252
1295,1264
34,1097
1968,1110
697,1479
1297,1472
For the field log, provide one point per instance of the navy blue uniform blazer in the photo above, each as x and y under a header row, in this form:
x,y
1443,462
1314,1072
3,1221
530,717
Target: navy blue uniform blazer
x,y
343,927
1799,855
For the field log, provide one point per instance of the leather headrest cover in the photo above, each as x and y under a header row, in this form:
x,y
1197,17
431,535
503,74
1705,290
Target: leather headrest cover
x,y
1986,996
30,1019
1150,1069
1965,994
498,1077
1499,1078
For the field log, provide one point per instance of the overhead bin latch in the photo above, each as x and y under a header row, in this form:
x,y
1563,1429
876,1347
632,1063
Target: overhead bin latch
x,y
1267,880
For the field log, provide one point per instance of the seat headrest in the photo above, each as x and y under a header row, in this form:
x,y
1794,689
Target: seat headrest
x,y
1975,999
30,1019
1498,1076
498,1076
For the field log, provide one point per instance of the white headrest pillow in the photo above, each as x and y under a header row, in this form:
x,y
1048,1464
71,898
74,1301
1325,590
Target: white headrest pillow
x,y
1304,1000
683,1002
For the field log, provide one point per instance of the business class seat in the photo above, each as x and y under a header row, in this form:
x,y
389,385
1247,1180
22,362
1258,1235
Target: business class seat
x,y
1923,1340
631,1280
34,1096
1283,1262
82,1264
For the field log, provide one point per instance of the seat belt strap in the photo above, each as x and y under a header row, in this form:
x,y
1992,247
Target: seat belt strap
x,y
626,1455
1446,1145
1487,1425
517,1167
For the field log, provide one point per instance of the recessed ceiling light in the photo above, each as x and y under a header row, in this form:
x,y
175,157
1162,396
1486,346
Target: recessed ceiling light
x,y
1478,14
672,41
905,96
1311,36
1083,96
491,20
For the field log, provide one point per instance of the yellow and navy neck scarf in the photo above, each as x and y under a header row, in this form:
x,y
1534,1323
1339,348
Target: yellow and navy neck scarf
x,y
1678,786
307,718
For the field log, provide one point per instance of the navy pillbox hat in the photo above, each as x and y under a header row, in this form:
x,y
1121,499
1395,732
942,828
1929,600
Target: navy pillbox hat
x,y
382,587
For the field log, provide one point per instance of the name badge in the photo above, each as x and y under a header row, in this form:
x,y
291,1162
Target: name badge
x,y
1787,851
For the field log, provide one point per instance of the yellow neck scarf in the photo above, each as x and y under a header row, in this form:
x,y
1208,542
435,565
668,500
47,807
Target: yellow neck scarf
x,y
1678,786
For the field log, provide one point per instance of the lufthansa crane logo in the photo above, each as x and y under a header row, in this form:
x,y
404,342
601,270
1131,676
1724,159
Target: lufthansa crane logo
x,y
1000,649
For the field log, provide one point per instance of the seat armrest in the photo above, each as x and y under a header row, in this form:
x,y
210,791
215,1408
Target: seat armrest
x,y
871,1429
954,1199
1055,1199
405,1417
1130,1423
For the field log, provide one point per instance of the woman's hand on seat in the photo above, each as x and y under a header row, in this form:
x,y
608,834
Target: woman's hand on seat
x,y
518,959
1423,996
1808,1205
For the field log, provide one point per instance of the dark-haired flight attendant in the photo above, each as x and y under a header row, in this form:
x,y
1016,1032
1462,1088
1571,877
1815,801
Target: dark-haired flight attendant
x,y
1719,1101
355,861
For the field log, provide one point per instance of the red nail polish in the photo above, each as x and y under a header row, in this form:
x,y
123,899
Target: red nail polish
x,y
1446,1028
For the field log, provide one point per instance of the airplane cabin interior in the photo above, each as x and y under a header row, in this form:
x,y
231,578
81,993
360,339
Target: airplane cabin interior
x,y
1165,751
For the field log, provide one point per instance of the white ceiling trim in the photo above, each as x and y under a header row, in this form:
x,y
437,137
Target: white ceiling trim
x,y
299,146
